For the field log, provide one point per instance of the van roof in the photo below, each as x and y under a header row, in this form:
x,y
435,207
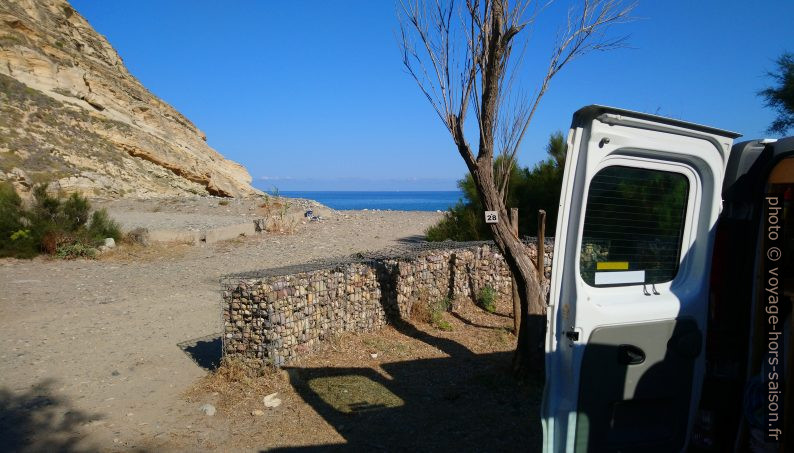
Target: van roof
x,y
594,111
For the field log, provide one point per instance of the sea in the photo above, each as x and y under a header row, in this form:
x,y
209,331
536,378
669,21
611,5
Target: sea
x,y
386,200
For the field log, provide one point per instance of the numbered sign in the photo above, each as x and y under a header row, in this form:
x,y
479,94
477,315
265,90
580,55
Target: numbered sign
x,y
491,216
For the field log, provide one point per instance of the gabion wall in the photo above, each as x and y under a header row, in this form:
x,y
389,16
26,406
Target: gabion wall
x,y
276,315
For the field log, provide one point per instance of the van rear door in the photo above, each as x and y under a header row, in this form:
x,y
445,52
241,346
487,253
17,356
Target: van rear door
x,y
629,284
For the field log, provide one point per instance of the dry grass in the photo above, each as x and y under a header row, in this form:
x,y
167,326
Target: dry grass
x,y
227,245
275,211
386,346
420,311
432,312
237,386
277,225
407,386
354,394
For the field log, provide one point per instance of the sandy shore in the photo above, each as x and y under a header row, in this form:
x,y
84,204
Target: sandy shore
x,y
96,341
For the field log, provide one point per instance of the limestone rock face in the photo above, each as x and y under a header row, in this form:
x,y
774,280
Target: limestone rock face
x,y
71,114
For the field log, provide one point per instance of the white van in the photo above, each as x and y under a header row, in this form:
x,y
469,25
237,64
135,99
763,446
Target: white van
x,y
657,340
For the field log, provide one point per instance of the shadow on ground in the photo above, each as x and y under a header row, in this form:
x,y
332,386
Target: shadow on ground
x,y
413,239
205,351
37,420
469,322
464,402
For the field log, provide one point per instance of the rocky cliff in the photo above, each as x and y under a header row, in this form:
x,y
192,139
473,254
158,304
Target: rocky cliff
x,y
73,116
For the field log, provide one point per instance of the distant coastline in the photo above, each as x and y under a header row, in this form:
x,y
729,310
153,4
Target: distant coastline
x,y
386,200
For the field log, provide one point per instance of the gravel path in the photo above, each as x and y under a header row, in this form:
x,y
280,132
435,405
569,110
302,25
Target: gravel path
x,y
96,341
172,221
200,213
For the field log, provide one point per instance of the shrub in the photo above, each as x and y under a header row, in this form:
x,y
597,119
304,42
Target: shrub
x,y
432,312
437,310
76,250
529,189
15,235
45,207
102,226
20,235
443,324
52,240
51,225
420,311
275,210
486,298
460,223
10,206
74,212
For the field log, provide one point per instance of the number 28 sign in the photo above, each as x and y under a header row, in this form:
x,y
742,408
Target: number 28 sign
x,y
491,216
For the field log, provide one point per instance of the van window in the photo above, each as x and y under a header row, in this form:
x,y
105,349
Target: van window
x,y
633,226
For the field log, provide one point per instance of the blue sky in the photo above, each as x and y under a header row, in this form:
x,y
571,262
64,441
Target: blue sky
x,y
312,95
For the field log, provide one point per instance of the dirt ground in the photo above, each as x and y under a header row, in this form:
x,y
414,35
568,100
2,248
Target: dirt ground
x,y
93,355
209,212
408,387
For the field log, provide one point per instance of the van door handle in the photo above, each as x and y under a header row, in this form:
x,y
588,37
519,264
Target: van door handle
x,y
630,355
572,335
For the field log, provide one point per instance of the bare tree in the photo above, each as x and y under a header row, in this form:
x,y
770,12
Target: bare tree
x,y
462,58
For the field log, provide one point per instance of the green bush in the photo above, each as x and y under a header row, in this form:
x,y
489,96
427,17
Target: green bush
x,y
51,225
102,226
45,208
15,234
10,207
76,250
460,223
20,235
486,299
437,310
443,324
74,212
529,189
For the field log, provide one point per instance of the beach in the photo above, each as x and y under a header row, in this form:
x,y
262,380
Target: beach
x,y
98,340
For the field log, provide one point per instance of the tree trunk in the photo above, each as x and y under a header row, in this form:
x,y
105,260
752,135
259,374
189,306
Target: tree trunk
x,y
531,334
529,354
513,287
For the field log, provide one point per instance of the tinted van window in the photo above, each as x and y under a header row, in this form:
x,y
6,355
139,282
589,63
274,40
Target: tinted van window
x,y
633,226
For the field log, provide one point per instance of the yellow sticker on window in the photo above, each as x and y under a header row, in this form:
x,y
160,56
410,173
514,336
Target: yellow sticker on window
x,y
612,266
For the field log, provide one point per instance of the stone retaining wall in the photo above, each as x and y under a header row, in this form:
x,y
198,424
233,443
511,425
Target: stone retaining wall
x,y
276,315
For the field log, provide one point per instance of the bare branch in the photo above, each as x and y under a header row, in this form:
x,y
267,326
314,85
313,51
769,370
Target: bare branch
x,y
469,64
585,33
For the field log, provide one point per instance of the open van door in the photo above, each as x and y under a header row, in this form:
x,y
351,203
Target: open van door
x,y
629,282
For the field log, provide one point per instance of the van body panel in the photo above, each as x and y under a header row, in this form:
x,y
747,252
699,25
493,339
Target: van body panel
x,y
629,284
